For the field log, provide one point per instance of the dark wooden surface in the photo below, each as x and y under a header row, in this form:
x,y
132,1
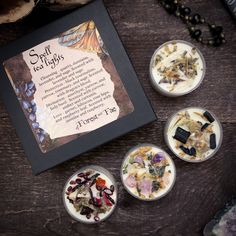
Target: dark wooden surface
x,y
33,205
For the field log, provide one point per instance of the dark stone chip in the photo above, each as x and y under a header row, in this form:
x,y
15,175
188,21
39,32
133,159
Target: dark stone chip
x,y
181,135
212,141
205,126
209,116
185,150
193,151
190,152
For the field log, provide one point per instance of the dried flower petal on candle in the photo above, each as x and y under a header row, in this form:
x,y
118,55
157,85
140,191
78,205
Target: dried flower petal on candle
x,y
145,180
89,196
176,68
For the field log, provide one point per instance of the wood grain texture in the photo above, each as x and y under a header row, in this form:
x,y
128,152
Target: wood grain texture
x,y
33,205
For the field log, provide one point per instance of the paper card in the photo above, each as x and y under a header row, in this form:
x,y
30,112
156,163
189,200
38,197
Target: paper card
x,y
68,86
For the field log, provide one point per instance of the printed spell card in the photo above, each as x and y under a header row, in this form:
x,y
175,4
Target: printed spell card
x,y
74,89
68,86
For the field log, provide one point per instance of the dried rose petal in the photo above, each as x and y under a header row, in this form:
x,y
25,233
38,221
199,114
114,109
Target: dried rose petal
x,y
98,201
130,181
107,201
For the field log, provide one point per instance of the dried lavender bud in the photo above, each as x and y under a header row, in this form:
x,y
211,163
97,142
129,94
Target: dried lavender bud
x,y
30,85
35,125
32,117
26,105
40,137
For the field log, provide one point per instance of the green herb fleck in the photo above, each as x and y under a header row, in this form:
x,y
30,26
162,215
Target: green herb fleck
x,y
125,171
155,186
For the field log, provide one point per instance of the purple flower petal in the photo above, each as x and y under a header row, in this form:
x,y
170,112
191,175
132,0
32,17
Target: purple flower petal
x,y
158,157
34,109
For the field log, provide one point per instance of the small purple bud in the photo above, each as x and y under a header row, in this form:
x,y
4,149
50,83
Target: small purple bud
x,y
158,157
29,93
35,125
26,105
40,137
34,109
30,85
32,117
42,131
33,103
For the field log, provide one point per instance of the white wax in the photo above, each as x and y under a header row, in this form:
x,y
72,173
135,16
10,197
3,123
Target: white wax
x,y
161,191
181,87
83,218
172,128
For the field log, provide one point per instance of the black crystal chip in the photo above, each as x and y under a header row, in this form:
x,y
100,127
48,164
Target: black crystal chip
x,y
193,151
190,152
185,150
212,141
181,135
205,126
209,116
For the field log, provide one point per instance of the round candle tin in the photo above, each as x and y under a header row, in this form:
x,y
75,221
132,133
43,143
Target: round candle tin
x,y
103,190
177,68
148,173
193,134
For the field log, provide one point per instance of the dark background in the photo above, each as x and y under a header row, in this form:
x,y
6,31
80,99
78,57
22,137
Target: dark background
x,y
33,205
